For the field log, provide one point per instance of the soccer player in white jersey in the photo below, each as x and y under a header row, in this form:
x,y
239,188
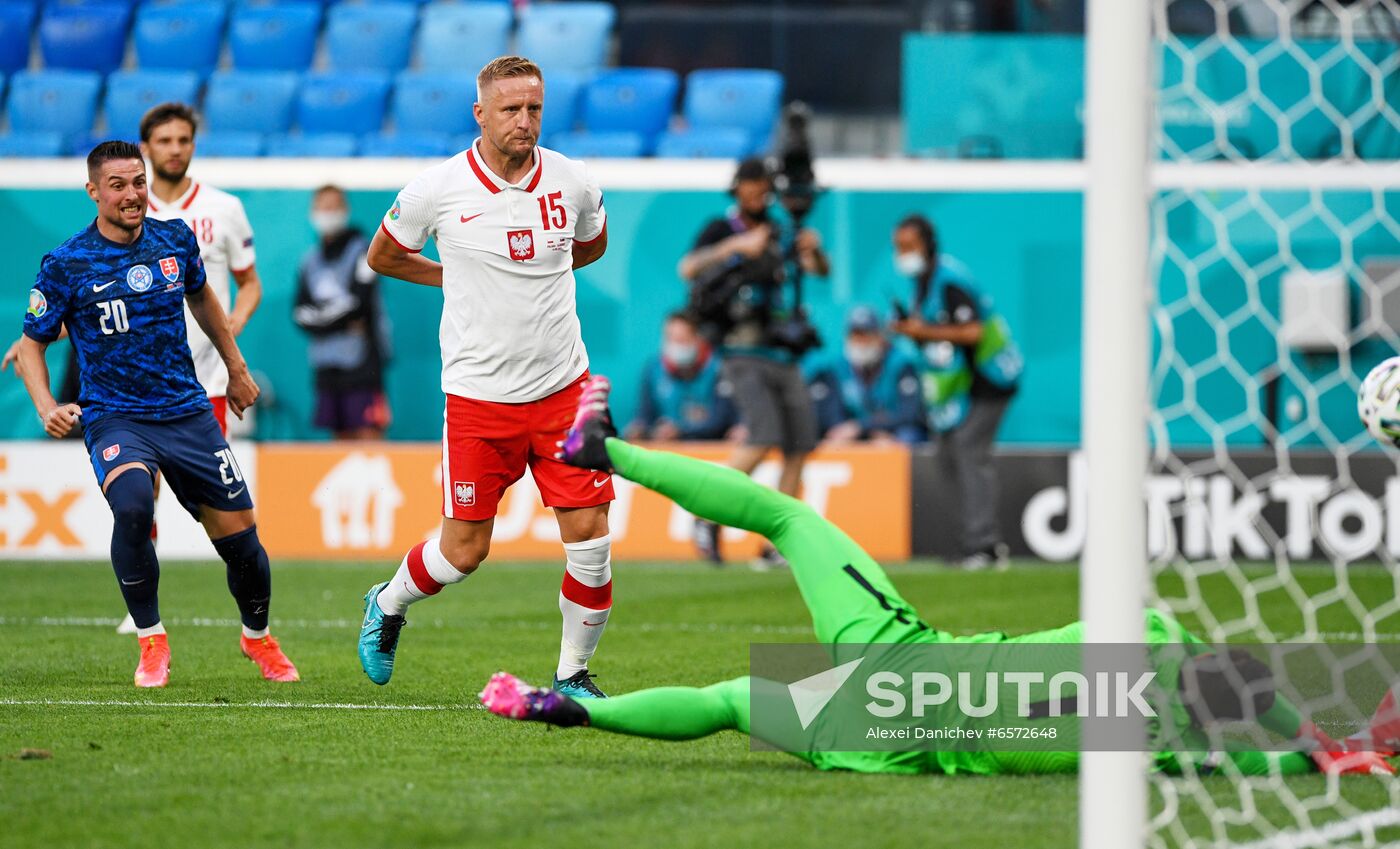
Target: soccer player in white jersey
x,y
512,221
225,244
220,226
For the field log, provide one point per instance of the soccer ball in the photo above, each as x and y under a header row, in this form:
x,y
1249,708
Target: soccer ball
x,y
1379,402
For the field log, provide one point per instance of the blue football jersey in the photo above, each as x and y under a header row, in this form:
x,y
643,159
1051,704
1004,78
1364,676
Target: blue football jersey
x,y
124,306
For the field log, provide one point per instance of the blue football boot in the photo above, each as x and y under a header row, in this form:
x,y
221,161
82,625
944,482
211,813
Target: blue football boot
x,y
579,686
379,637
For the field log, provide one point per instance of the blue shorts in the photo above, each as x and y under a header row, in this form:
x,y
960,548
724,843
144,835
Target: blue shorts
x,y
189,451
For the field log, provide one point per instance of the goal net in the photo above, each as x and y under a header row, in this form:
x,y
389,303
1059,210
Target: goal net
x,y
1273,518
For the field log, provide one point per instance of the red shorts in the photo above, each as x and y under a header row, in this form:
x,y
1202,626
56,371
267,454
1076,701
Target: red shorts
x,y
220,404
486,446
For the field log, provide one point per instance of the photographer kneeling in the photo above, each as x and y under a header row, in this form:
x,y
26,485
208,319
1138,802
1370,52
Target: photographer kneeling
x,y
737,271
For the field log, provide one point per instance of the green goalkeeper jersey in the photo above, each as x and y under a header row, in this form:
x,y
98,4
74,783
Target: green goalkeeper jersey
x,y
1169,644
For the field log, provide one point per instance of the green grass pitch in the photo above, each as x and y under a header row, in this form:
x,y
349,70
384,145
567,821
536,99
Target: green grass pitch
x,y
221,758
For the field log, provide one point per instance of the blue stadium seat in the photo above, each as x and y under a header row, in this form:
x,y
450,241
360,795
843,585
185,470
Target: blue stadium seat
x,y
279,37
187,36
565,36
706,143
307,145
743,98
370,37
634,100
131,93
435,101
16,27
563,92
90,37
54,101
406,144
41,143
462,36
584,145
230,144
250,101
342,102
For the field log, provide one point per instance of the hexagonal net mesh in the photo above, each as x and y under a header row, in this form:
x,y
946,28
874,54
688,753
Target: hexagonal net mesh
x,y
1273,516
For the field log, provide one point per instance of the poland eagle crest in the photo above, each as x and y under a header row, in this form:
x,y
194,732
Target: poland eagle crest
x,y
522,244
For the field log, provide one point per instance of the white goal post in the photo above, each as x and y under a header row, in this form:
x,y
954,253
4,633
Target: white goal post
x,y
1113,579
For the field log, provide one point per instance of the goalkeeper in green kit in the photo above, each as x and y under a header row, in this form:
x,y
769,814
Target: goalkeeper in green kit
x,y
854,605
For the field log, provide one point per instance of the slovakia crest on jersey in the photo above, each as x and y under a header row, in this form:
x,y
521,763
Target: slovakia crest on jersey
x,y
111,453
522,244
170,267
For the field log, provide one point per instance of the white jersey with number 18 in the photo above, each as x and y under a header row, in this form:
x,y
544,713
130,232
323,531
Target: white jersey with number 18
x,y
225,244
509,329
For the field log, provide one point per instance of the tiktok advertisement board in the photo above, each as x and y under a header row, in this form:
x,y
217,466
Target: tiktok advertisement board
x,y
1245,506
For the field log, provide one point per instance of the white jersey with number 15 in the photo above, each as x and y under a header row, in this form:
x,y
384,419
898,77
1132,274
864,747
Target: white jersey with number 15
x,y
509,329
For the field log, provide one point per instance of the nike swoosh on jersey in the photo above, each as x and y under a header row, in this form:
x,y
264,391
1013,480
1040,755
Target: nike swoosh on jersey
x,y
97,288
466,218
599,483
236,492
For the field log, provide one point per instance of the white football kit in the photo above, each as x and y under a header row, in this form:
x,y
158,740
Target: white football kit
x,y
510,329
225,244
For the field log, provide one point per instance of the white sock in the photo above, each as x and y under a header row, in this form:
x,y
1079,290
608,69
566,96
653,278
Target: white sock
x,y
254,635
423,572
142,633
585,600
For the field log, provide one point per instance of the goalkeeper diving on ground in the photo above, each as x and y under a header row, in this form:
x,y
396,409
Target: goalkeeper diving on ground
x,y
853,603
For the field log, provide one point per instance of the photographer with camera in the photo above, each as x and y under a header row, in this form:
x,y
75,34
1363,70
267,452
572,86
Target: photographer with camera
x,y
972,367
745,274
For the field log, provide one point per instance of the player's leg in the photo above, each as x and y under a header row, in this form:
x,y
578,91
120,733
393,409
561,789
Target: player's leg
x,y
203,473
484,451
128,623
125,465
580,499
848,594
585,595
658,713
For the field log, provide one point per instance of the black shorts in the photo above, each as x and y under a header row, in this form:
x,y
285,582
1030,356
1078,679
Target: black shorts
x,y
190,452
773,403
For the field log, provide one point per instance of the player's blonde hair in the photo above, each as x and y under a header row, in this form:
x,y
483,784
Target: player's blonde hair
x,y
505,67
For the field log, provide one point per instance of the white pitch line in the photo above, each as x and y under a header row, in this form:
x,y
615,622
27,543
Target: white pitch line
x,y
1328,834
348,624
261,705
527,625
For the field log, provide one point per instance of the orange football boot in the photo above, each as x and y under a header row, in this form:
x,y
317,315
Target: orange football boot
x,y
154,668
265,652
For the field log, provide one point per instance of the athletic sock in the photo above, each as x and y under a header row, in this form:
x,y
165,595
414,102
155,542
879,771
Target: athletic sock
x,y
249,575
143,633
255,633
132,498
423,572
585,600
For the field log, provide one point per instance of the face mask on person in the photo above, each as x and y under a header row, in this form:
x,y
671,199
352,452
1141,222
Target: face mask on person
x,y
863,354
328,222
911,264
680,354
